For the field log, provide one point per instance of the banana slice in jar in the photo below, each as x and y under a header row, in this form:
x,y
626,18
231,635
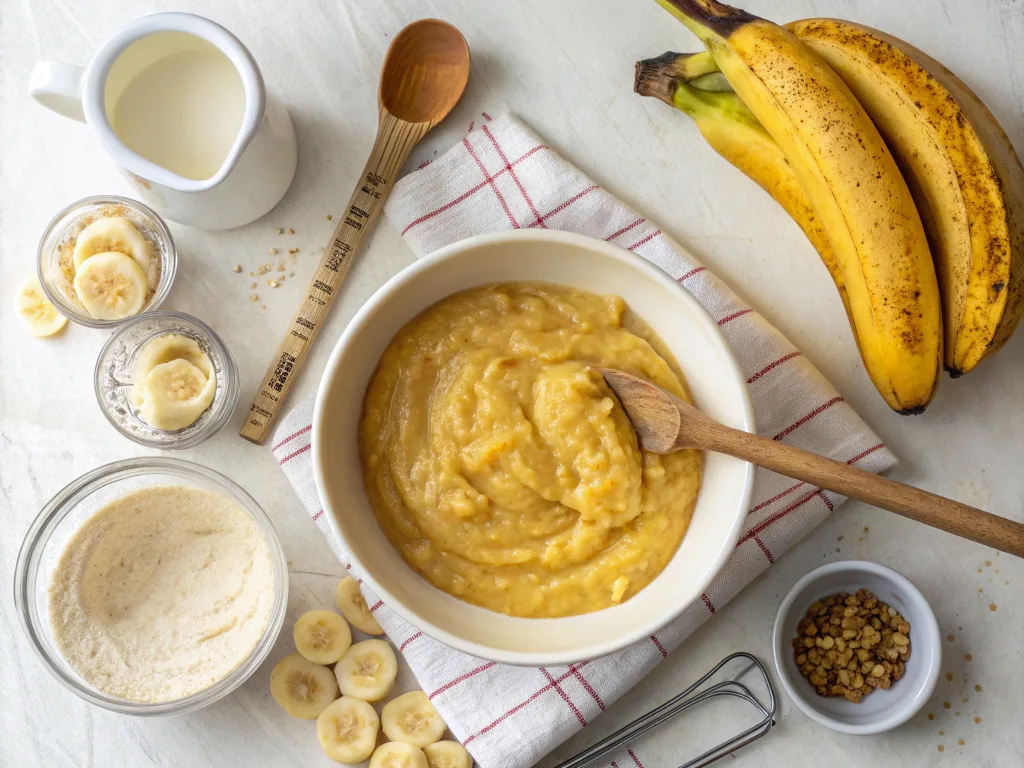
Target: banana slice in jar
x,y
171,346
302,688
112,233
447,754
347,730
111,286
322,636
174,395
367,670
396,754
38,315
411,718
352,604
174,382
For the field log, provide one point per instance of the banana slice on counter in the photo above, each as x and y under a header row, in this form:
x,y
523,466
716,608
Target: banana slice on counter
x,y
347,730
352,604
322,636
367,670
174,395
412,718
111,233
302,688
447,754
171,346
111,286
398,755
38,315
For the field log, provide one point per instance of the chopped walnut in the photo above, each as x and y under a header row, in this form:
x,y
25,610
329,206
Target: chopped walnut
x,y
849,645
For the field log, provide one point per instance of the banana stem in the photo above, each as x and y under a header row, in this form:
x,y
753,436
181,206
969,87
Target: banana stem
x,y
709,20
654,78
685,66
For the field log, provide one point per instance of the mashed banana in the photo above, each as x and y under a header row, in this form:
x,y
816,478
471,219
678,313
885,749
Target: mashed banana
x,y
501,466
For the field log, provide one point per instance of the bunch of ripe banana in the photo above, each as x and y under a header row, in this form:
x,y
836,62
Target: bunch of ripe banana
x,y
895,170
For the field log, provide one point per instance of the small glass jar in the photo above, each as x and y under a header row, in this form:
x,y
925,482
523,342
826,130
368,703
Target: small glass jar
x,y
56,271
115,376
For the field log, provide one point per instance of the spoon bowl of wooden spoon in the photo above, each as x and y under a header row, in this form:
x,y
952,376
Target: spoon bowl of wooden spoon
x,y
663,423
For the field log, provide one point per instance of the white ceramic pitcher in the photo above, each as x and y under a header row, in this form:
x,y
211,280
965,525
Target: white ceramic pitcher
x,y
260,163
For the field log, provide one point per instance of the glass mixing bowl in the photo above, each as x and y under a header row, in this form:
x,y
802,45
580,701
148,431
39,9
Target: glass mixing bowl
x,y
61,518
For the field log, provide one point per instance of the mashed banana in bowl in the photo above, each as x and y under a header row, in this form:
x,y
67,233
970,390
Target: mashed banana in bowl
x,y
499,463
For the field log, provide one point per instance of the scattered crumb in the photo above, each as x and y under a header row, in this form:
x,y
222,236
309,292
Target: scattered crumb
x,y
993,607
291,231
252,285
840,538
931,716
946,705
280,266
995,570
865,529
293,251
988,563
329,217
280,230
280,279
237,267
957,714
251,275
978,688
979,570
860,539
292,274
272,283
253,297
272,251
941,748
942,733
960,742
980,590
949,676
963,700
977,720
951,638
967,657
263,307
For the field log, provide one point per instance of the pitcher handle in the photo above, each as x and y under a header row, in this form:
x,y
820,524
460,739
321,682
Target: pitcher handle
x,y
58,87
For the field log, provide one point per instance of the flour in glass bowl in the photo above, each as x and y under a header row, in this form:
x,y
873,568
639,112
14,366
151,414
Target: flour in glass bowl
x,y
162,593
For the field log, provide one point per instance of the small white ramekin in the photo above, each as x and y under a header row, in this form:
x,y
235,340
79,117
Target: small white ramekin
x,y
881,710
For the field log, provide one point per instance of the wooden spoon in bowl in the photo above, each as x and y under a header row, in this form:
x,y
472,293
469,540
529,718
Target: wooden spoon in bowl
x,y
664,423
424,74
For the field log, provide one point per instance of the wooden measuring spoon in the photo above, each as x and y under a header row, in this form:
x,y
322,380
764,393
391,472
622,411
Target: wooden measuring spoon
x,y
664,423
424,74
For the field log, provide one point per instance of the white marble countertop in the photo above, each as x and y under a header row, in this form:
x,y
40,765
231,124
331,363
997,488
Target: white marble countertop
x,y
565,67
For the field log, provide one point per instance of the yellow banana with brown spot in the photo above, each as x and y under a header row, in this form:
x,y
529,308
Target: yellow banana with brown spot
x,y
965,177
852,182
731,129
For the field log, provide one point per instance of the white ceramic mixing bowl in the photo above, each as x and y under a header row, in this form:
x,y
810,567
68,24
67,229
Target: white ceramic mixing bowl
x,y
717,384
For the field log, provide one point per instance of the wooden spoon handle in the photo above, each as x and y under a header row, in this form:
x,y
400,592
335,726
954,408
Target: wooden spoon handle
x,y
936,511
395,139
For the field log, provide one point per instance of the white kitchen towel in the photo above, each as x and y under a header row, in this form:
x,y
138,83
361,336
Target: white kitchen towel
x,y
501,176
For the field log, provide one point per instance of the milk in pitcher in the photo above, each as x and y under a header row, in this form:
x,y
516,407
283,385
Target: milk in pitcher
x,y
178,101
